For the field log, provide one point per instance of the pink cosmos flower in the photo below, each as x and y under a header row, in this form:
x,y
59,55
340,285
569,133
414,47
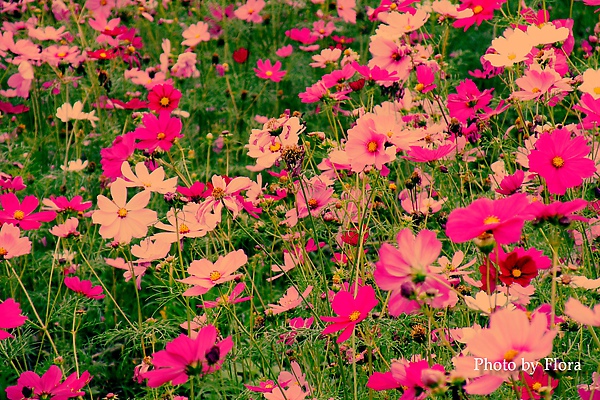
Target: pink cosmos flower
x,y
290,300
293,392
416,378
580,313
536,384
10,317
511,337
48,385
151,181
265,70
425,79
468,100
557,212
11,242
123,220
157,132
231,298
250,11
66,229
62,204
223,191
84,287
22,214
367,147
561,161
511,184
138,270
185,357
185,224
391,56
503,218
351,310
591,107
327,57
195,34
535,83
205,275
113,157
303,35
284,51
481,10
346,10
422,154
313,199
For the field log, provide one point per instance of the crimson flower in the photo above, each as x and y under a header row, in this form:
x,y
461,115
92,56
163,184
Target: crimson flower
x,y
22,214
184,356
351,310
240,56
520,265
163,98
84,287
561,161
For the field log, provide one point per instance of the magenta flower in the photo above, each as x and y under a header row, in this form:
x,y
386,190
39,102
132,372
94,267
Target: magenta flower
x,y
481,10
22,214
421,154
232,298
113,157
503,218
184,356
265,70
10,317
425,79
591,107
84,287
468,100
561,161
417,378
31,386
351,310
157,132
62,204
11,242
511,184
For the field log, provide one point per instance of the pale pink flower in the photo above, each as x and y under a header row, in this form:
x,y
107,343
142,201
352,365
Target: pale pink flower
x,y
327,57
250,11
185,67
290,393
152,181
122,220
591,83
225,192
47,33
131,269
67,229
582,314
367,147
509,49
284,51
290,300
68,112
195,34
11,242
151,249
205,275
536,83
398,24
184,223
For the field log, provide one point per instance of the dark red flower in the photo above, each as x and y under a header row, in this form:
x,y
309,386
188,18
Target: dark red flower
x,y
240,56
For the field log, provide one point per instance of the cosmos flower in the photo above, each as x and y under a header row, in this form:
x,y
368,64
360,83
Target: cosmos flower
x,y
184,357
561,160
10,317
163,97
84,287
48,386
22,214
205,274
265,70
11,242
157,132
351,310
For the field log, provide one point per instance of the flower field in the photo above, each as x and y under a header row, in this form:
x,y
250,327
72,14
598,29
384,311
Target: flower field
x,y
299,199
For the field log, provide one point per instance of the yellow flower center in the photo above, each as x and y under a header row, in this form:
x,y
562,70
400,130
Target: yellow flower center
x,y
477,9
558,161
313,203
218,193
122,212
535,90
183,229
250,11
19,215
215,275
536,386
512,56
269,386
103,55
321,31
419,87
372,146
161,136
275,147
62,54
393,6
597,90
164,101
510,355
492,219
103,2
3,252
223,299
354,316
407,28
269,73
516,273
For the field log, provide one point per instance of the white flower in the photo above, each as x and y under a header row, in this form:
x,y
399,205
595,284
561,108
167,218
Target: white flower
x,y
68,112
